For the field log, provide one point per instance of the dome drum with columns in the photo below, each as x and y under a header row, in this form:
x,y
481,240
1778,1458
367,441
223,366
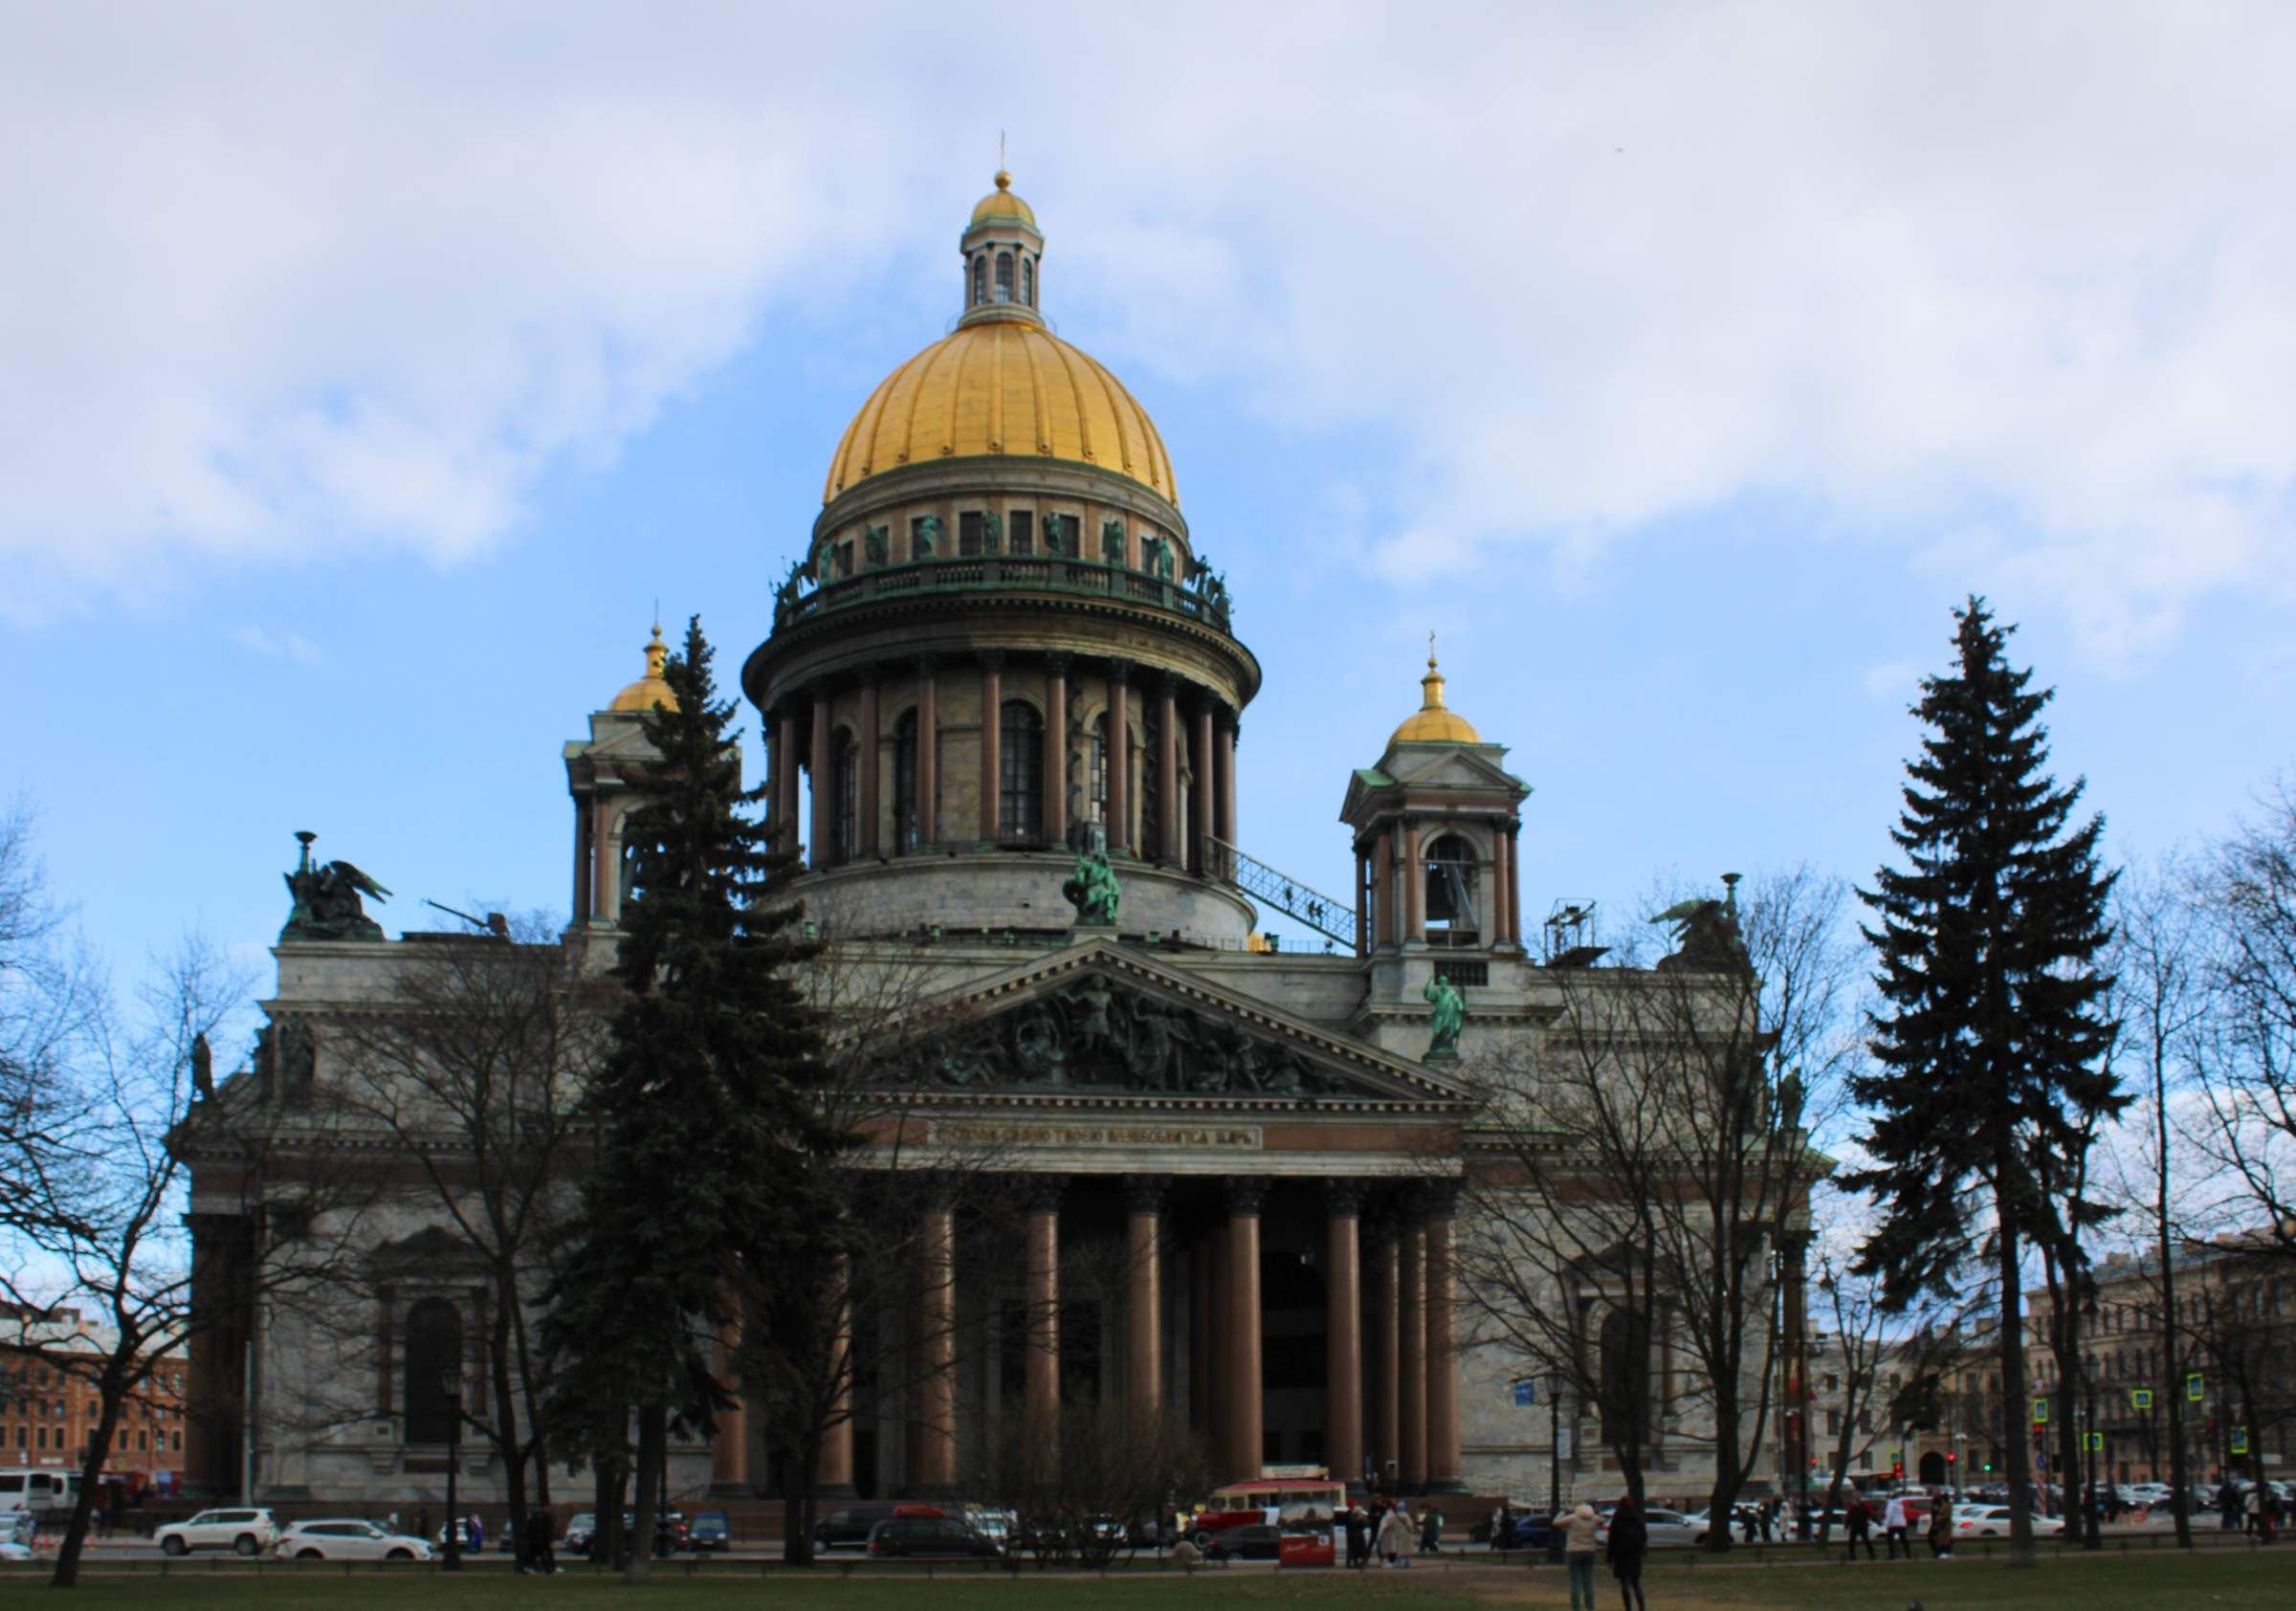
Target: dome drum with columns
x,y
1002,642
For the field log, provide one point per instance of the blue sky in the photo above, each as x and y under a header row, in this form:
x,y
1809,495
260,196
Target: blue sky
x,y
1681,366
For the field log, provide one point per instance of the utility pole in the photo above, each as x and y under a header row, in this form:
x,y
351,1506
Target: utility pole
x,y
451,1382
1554,1466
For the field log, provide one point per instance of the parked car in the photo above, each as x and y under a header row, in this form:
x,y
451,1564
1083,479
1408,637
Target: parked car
x,y
1532,1532
580,1526
924,1536
246,1531
991,1523
849,1525
346,1539
1992,1522
1254,1541
1666,1526
712,1530
16,1535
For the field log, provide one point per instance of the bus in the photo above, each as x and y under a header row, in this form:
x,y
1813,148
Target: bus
x,y
1296,1504
45,1493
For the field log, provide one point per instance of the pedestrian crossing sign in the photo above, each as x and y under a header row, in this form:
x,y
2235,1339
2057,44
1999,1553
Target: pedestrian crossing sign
x,y
2040,1412
2240,1439
2140,1398
2096,1442
2193,1388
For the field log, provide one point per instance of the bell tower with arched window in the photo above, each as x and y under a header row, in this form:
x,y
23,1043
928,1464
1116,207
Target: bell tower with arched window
x,y
1003,257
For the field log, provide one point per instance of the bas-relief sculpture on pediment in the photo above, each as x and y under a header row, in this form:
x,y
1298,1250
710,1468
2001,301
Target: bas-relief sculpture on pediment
x,y
1091,1035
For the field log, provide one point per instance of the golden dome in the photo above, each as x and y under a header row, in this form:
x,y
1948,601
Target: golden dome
x,y
650,691
1002,203
1003,385
1432,723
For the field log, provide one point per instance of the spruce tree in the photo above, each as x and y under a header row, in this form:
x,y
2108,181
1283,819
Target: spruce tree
x,y
1992,1039
709,1122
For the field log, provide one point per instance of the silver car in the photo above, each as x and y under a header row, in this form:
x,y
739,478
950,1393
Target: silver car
x,y
347,1538
247,1530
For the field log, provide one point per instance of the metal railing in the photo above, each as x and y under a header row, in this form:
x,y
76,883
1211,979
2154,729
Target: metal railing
x,y
1042,573
1303,903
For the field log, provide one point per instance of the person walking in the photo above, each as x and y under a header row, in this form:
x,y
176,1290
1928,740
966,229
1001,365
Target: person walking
x,y
1861,1526
1351,1526
1430,1532
539,1554
1629,1544
1394,1537
1941,1531
1501,1527
1894,1524
1578,1536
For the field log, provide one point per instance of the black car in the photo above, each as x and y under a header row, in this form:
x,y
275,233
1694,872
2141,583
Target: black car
x,y
921,1536
1253,1542
849,1525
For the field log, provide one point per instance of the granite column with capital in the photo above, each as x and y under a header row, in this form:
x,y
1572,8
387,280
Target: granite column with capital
x,y
1118,757
1246,1194
1057,750
1343,1337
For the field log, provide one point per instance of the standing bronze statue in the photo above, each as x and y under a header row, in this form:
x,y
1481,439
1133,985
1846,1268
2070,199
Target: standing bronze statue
x,y
1450,1015
1091,890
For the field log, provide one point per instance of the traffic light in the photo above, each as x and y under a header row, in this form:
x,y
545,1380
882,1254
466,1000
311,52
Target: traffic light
x,y
1897,1468
1951,1458
1989,1467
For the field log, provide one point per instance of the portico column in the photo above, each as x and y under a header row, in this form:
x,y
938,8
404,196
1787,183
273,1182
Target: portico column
x,y
1343,1342
933,1425
729,1449
928,751
1167,767
833,1468
1204,791
1144,1297
1363,939
1199,1337
1382,884
1057,750
1245,1196
825,791
1386,1370
1119,756
992,743
785,796
1443,1354
1041,1379
867,841
1411,1377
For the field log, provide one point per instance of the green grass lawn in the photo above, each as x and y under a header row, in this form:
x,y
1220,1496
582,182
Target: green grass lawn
x,y
2251,1582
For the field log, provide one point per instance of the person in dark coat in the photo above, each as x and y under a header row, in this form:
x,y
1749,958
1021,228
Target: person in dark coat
x,y
1629,1544
1861,1527
1356,1551
539,1554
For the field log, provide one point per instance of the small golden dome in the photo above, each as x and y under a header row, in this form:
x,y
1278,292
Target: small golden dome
x,y
1002,203
650,691
1432,723
1001,386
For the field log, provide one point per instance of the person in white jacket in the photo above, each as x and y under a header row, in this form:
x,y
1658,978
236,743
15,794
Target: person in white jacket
x,y
1894,1524
1395,1536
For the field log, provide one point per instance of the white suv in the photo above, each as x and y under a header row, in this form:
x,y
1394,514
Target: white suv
x,y
347,1538
249,1531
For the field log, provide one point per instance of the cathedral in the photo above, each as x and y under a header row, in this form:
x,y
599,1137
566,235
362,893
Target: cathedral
x,y
1002,697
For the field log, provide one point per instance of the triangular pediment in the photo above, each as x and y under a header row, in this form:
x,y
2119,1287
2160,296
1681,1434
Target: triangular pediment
x,y
1101,1019
1431,766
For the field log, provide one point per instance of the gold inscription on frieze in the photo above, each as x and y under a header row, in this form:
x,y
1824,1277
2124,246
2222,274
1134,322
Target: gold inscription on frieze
x,y
973,1134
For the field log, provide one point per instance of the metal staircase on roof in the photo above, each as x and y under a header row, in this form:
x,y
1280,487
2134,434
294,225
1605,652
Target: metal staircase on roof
x,y
1302,903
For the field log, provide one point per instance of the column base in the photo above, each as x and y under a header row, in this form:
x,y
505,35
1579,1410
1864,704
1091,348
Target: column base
x,y
1443,1484
835,1491
929,1490
731,1490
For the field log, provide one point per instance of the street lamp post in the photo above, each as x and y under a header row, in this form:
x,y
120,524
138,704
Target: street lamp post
x,y
449,1381
1554,1468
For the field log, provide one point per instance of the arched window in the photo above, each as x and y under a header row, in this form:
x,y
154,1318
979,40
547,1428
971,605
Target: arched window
x,y
433,1351
845,773
1453,887
1028,282
1003,276
1020,773
904,784
981,279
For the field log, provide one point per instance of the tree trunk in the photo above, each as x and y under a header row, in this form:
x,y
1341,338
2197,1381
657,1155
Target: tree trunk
x,y
2019,1452
654,1428
83,1504
506,1415
607,1539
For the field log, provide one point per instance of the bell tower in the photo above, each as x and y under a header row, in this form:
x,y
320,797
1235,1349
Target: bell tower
x,y
1004,253
600,771
1436,834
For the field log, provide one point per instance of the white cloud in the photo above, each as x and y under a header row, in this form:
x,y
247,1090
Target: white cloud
x,y
286,645
2013,283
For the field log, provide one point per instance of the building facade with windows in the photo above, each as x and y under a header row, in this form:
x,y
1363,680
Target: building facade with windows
x,y
49,1409
1004,652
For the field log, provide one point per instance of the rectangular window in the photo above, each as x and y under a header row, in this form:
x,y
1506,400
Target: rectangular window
x,y
143,1441
1021,527
968,534
40,1437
